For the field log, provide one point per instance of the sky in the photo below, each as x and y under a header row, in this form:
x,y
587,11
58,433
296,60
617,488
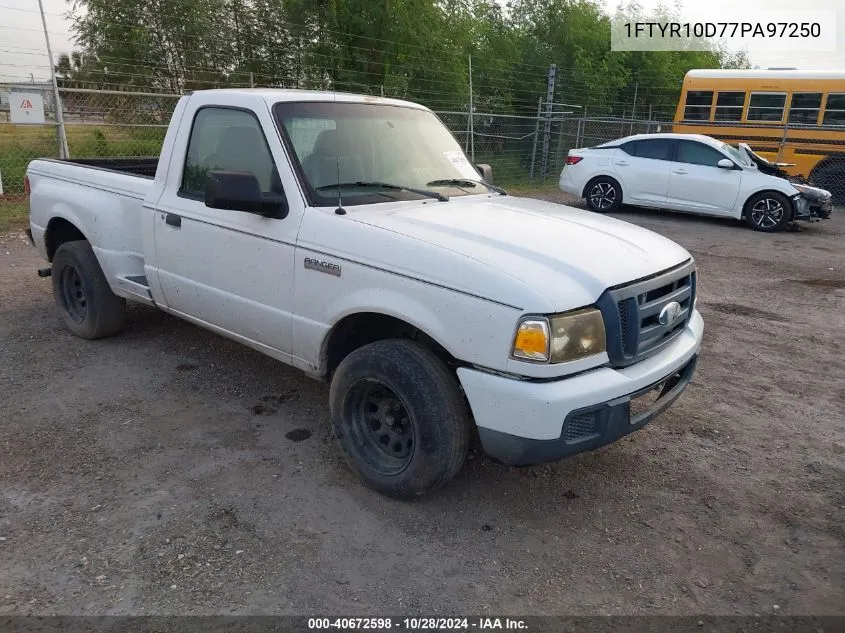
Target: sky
x,y
23,52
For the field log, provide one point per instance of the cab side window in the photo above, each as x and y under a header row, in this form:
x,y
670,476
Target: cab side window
x,y
698,154
228,140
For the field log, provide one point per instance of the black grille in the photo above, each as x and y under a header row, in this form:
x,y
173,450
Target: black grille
x,y
623,321
579,427
632,313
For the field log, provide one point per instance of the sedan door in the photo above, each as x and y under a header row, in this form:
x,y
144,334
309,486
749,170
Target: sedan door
x,y
697,183
643,168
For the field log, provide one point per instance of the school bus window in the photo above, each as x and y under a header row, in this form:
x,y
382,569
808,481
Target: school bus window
x,y
766,106
834,113
729,106
698,105
805,107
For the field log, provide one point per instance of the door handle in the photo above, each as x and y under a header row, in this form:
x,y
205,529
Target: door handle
x,y
679,171
621,163
171,219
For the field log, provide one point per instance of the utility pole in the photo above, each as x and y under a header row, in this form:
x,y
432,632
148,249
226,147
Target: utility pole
x,y
471,123
62,137
634,107
547,129
536,135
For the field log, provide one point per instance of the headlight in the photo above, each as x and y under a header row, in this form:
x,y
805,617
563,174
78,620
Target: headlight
x,y
561,337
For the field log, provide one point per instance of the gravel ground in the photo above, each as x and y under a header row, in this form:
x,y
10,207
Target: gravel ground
x,y
168,470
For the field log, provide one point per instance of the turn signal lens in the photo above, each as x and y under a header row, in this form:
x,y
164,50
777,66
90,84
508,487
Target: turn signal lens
x,y
532,340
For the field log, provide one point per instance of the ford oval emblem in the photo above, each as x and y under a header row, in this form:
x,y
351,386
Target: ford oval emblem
x,y
670,313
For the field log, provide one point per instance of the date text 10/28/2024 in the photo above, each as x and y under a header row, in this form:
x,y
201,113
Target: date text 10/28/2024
x,y
418,624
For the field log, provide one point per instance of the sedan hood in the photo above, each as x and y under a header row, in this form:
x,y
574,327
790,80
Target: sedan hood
x,y
567,255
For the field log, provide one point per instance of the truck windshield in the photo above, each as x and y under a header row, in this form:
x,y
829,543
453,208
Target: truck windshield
x,y
347,149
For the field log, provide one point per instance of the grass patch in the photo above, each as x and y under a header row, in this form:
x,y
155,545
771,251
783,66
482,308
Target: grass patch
x,y
14,213
20,144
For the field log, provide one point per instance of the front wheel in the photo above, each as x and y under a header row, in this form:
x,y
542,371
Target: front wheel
x,y
603,194
399,417
768,211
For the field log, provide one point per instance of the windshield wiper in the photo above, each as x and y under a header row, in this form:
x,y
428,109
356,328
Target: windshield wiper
x,y
386,185
465,182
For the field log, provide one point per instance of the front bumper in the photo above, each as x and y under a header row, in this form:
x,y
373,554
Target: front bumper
x,y
812,208
525,422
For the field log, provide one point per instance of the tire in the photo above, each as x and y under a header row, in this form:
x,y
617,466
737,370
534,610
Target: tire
x,y
768,211
86,303
400,419
603,194
830,175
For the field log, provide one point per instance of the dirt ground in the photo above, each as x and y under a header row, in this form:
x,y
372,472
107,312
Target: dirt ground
x,y
168,470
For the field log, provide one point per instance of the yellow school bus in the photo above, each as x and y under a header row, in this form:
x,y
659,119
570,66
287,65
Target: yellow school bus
x,y
788,116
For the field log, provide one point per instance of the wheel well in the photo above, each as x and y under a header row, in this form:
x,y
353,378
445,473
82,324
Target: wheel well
x,y
58,232
594,178
357,330
745,206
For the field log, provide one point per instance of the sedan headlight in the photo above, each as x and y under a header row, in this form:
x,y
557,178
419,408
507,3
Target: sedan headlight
x,y
561,337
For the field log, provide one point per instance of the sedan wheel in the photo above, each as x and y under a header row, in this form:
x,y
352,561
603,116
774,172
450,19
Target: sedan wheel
x,y
603,195
767,213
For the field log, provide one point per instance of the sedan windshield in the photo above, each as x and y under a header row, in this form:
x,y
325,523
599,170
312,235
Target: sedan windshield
x,y
347,150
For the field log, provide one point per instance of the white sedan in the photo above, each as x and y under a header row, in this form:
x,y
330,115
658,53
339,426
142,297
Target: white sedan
x,y
681,172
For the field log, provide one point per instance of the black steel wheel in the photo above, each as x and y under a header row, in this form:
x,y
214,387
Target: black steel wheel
x,y
86,303
399,417
603,194
72,297
381,424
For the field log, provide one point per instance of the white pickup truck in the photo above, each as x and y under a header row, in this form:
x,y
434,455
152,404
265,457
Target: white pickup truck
x,y
349,236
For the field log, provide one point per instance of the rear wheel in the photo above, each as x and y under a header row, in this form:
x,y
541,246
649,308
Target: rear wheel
x,y
87,305
603,194
399,417
768,211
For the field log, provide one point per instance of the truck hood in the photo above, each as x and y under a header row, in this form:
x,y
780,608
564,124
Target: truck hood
x,y
568,256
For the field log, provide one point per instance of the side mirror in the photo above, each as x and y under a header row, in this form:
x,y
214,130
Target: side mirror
x,y
726,163
486,172
240,191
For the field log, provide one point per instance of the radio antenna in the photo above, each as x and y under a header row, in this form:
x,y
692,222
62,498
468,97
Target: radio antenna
x,y
340,210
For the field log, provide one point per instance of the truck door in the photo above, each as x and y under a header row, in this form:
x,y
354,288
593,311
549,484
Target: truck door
x,y
229,269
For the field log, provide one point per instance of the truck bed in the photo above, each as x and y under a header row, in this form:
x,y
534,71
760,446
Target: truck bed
x,y
144,166
106,197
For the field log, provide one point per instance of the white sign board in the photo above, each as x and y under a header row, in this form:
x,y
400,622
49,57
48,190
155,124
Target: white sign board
x,y
26,107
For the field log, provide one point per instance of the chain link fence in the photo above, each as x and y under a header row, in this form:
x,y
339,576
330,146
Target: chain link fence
x,y
524,151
